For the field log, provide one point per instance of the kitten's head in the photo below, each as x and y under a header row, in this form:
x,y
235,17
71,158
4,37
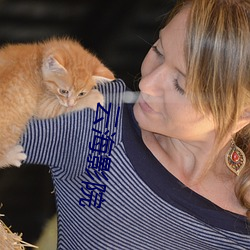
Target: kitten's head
x,y
70,72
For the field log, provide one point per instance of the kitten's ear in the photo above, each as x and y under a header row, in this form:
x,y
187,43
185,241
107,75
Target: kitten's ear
x,y
50,64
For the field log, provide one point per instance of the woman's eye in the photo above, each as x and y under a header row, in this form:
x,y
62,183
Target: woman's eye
x,y
155,49
63,91
178,88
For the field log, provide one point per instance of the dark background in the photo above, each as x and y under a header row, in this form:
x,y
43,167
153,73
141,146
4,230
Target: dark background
x,y
119,32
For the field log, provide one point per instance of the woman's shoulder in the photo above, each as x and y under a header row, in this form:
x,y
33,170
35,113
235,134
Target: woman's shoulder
x,y
108,89
44,139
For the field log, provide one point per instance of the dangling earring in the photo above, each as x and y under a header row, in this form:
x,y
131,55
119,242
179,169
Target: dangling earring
x,y
235,158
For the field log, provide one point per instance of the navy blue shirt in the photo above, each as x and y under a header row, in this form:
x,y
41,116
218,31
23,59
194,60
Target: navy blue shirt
x,y
113,194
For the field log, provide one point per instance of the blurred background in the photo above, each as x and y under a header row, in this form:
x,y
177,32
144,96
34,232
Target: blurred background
x,y
120,32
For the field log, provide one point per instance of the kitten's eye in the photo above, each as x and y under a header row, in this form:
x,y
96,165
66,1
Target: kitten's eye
x,y
82,94
63,91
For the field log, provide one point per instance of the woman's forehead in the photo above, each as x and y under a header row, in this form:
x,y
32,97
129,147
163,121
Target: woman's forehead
x,y
179,21
172,39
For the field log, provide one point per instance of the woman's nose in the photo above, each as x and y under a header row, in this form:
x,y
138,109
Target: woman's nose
x,y
151,82
151,73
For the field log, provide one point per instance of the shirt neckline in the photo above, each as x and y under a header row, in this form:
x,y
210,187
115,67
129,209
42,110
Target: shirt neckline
x,y
168,187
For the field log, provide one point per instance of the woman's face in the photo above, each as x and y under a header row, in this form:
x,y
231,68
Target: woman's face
x,y
163,106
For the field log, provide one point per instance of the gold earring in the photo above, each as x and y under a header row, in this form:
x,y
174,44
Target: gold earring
x,y
235,158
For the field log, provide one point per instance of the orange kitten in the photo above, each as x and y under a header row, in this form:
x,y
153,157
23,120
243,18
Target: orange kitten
x,y
43,80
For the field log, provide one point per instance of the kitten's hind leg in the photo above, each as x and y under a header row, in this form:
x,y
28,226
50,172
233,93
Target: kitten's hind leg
x,y
13,157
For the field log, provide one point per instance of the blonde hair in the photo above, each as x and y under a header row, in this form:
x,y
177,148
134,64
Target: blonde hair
x,y
217,51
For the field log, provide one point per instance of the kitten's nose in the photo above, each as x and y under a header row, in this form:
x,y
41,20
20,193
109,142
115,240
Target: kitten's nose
x,y
71,102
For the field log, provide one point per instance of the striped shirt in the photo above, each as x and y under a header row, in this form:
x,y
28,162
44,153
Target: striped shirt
x,y
112,193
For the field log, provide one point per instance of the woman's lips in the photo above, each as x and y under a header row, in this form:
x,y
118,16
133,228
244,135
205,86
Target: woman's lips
x,y
144,105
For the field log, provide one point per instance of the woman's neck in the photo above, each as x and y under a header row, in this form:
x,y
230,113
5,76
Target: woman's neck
x,y
187,160
190,163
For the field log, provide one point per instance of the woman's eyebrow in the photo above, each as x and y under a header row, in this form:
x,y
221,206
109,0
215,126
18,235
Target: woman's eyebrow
x,y
160,38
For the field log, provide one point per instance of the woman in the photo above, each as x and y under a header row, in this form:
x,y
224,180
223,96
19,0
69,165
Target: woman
x,y
164,173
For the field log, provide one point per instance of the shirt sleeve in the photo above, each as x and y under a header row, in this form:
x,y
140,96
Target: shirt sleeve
x,y
57,141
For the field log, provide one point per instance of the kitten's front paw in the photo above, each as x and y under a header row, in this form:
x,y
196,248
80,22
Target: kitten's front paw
x,y
15,156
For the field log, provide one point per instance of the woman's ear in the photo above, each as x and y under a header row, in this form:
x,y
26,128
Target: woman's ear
x,y
243,121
